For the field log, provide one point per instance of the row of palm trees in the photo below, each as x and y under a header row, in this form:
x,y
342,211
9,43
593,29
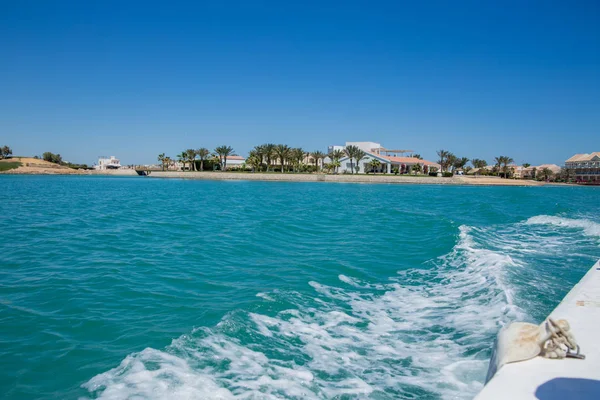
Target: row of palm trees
x,y
203,154
267,156
449,163
502,163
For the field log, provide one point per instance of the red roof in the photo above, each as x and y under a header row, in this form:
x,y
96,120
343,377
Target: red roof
x,y
235,158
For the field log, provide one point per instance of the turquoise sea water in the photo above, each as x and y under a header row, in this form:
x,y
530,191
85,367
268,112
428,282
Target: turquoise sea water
x,y
122,287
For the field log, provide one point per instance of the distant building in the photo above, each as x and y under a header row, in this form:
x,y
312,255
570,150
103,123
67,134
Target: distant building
x,y
179,165
369,147
480,171
388,159
516,171
552,167
532,171
235,162
585,166
105,163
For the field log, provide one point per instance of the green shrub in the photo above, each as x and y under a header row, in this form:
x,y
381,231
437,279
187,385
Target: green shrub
x,y
6,166
447,174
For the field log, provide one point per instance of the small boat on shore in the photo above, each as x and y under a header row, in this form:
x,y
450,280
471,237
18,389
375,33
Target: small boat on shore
x,y
576,376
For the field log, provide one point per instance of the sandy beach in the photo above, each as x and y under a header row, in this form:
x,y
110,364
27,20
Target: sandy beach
x,y
457,180
32,166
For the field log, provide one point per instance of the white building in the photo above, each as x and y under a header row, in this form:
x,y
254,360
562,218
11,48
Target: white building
x,y
369,147
387,163
235,162
108,163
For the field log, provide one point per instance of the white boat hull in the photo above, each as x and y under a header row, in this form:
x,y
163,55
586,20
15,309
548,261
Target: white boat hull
x,y
548,379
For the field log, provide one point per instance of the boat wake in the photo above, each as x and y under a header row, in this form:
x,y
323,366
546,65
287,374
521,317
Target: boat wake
x,y
590,228
426,333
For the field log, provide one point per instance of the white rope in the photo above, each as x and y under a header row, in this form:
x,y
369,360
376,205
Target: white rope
x,y
561,342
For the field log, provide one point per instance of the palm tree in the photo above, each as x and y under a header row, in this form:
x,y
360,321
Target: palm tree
x,y
451,160
203,153
168,161
505,160
223,152
191,157
336,164
416,168
254,159
417,156
498,162
477,163
182,158
350,152
161,158
282,151
546,173
566,174
297,155
526,165
259,152
460,163
269,153
336,156
446,159
442,157
317,155
374,164
359,155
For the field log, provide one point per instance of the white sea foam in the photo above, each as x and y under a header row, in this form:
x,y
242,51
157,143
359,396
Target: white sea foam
x,y
590,228
264,296
424,334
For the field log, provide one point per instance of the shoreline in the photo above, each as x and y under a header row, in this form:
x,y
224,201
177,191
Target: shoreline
x,y
290,177
361,178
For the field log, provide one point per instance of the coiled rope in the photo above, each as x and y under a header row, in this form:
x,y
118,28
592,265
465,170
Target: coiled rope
x,y
561,343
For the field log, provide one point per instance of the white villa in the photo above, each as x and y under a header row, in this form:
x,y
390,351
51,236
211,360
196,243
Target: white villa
x,y
105,163
389,159
586,167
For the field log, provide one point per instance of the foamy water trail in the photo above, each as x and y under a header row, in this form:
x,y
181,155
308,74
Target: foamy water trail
x,y
424,334
590,228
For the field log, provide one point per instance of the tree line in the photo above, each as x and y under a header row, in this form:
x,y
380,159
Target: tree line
x,y
268,157
502,167
450,163
190,156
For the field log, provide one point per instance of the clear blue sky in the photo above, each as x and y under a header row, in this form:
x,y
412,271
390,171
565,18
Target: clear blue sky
x,y
133,79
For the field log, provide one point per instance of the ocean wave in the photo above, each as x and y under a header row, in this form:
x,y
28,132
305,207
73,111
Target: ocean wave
x,y
590,228
423,334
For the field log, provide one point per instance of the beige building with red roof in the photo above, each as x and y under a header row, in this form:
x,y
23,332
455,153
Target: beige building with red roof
x,y
585,166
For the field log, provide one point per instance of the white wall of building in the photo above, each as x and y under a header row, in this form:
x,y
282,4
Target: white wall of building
x,y
364,146
363,163
235,162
